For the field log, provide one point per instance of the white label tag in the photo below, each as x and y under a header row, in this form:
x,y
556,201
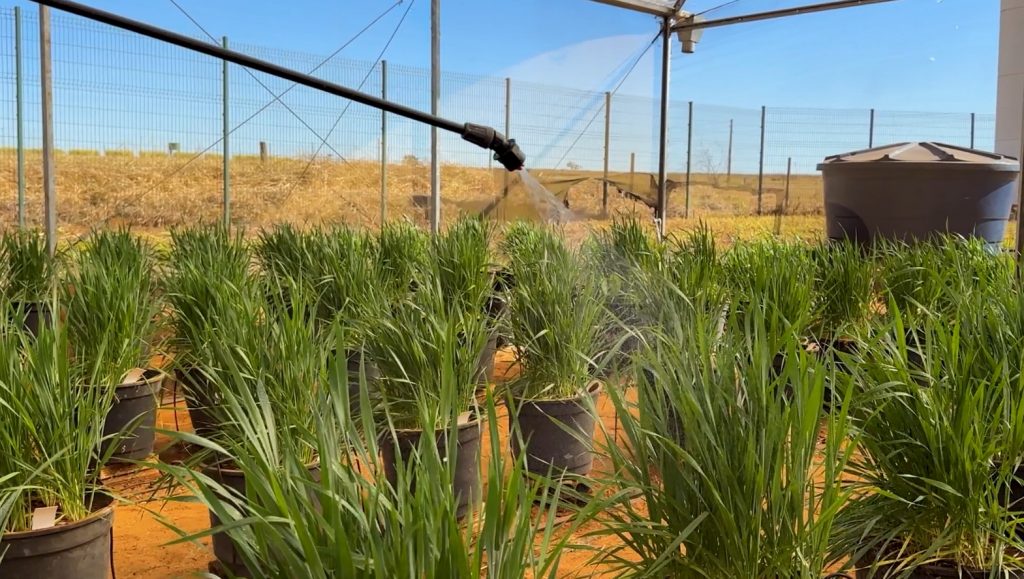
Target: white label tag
x,y
132,376
44,518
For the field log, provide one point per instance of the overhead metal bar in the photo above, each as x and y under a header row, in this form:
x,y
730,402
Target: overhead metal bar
x,y
506,151
697,24
663,8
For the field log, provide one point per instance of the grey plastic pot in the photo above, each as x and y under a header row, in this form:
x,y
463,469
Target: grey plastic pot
x,y
466,479
229,562
556,435
133,415
80,550
485,365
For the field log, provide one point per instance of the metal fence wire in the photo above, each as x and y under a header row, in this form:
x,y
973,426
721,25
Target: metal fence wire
x,y
140,131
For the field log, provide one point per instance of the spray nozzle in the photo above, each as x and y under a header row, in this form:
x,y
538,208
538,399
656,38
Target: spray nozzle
x,y
506,151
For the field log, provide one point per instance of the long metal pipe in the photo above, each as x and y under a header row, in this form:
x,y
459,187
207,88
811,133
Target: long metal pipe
x,y
666,55
250,62
693,24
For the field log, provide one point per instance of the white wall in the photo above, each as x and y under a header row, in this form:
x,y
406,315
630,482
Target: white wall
x,y
1010,101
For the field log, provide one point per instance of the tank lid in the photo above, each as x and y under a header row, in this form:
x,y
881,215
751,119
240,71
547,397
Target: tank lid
x,y
922,153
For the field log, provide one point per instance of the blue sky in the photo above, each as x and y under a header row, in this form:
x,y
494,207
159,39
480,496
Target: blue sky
x,y
911,54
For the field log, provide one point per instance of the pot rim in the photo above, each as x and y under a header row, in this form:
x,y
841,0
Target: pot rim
x,y
472,418
157,376
594,387
100,513
238,472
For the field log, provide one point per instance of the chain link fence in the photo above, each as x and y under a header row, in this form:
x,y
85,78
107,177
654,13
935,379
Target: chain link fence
x,y
141,126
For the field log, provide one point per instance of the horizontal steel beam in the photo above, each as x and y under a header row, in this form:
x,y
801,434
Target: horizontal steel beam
x,y
663,9
694,25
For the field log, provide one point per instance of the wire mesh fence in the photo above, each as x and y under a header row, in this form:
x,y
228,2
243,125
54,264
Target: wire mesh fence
x,y
141,127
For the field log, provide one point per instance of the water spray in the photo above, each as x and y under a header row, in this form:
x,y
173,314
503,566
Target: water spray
x,y
505,150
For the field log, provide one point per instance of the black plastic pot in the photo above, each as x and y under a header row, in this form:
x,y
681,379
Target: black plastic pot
x,y
133,415
33,315
80,550
228,561
358,362
937,570
556,435
198,393
466,481
673,426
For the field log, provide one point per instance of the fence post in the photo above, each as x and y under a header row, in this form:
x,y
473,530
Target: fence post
x,y
632,172
728,157
972,130
226,130
689,156
20,98
783,202
508,128
607,147
383,145
760,161
871,130
46,92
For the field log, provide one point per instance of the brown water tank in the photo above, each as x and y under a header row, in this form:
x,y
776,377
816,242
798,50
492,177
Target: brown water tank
x,y
915,190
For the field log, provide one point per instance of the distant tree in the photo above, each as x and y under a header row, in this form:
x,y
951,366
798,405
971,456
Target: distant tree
x,y
573,166
411,161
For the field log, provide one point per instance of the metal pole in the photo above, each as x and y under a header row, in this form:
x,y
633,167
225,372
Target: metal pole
x,y
666,55
435,97
20,98
508,125
383,145
728,156
46,92
760,162
226,133
1020,194
694,24
632,172
972,130
783,202
607,149
689,156
871,129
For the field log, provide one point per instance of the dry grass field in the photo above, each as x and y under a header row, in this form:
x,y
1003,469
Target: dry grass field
x,y
154,192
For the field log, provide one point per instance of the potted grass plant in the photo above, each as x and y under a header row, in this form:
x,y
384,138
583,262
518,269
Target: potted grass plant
x,y
266,373
56,515
557,318
940,445
771,280
348,292
208,277
753,488
28,273
428,351
351,522
624,253
110,323
285,253
843,292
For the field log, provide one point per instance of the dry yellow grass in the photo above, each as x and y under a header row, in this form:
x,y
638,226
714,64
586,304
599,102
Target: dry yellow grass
x,y
154,192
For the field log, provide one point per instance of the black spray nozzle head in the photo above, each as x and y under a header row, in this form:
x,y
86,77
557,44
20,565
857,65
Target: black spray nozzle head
x,y
506,151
